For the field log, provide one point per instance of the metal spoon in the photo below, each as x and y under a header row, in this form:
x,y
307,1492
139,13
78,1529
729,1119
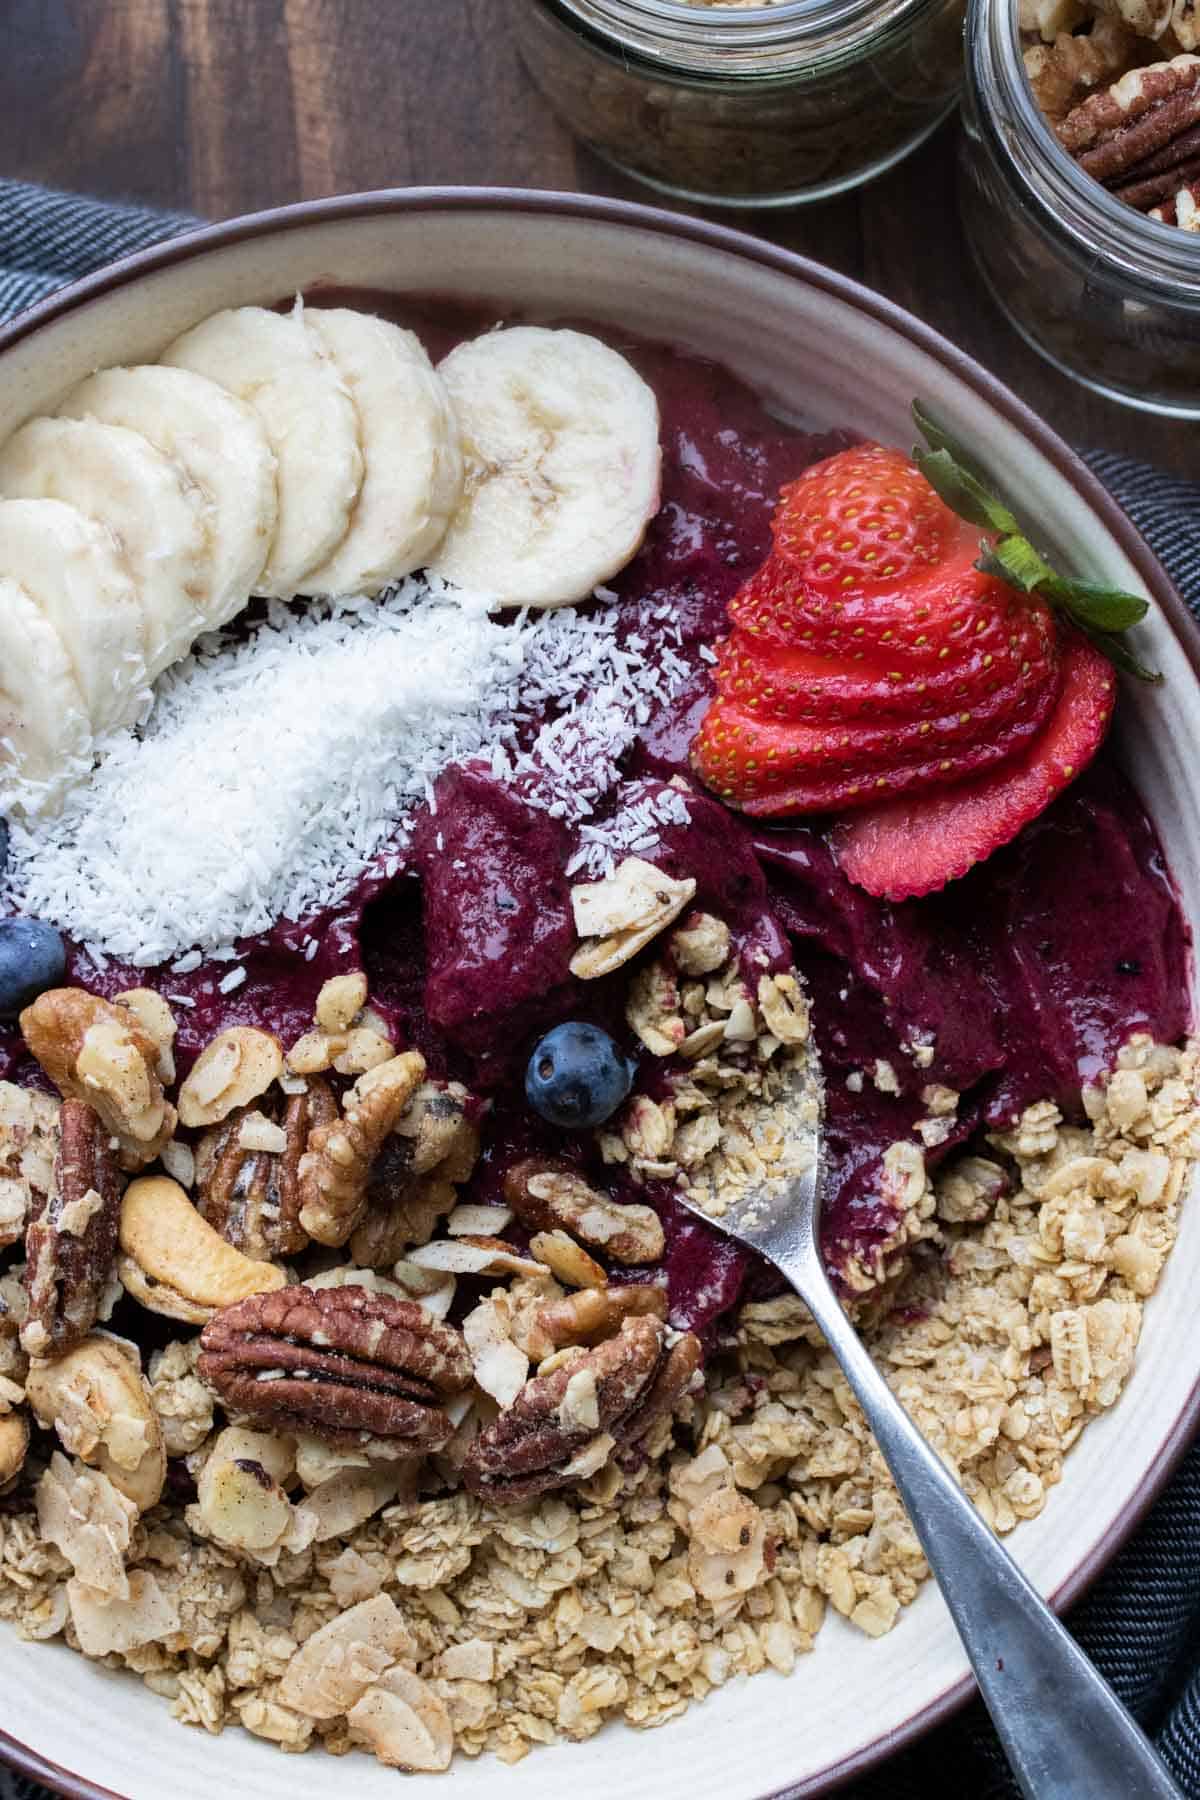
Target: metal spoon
x,y
1065,1732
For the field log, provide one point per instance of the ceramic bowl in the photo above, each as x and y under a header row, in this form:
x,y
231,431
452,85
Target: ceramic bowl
x,y
824,351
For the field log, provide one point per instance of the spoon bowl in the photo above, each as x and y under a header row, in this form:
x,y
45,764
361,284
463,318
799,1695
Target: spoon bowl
x,y
1067,1735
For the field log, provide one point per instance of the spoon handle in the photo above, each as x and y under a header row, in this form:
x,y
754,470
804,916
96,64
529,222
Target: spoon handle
x,y
1065,1732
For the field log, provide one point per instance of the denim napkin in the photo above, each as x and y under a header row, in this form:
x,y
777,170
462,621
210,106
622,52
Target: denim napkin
x,y
1140,1622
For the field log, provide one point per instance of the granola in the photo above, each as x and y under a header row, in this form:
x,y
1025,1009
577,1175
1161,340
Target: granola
x,y
429,1620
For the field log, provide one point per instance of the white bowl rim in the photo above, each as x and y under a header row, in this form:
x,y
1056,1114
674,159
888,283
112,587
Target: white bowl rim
x,y
189,245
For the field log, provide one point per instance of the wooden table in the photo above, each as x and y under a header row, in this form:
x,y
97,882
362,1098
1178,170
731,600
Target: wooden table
x,y
224,106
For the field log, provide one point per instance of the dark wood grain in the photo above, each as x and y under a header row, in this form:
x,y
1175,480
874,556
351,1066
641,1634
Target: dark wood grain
x,y
224,106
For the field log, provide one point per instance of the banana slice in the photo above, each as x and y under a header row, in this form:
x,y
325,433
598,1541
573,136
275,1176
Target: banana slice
x,y
71,568
412,479
560,438
277,366
44,736
220,444
146,501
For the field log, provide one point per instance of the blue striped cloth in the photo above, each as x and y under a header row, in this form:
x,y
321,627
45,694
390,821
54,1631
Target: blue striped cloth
x,y
1140,1623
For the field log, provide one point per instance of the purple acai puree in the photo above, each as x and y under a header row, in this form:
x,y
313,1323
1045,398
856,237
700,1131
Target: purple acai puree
x,y
1018,983
497,915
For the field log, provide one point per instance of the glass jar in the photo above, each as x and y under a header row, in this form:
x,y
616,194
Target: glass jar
x,y
1106,294
746,105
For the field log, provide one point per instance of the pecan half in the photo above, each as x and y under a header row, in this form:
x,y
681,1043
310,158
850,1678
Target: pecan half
x,y
71,1243
676,1374
28,1139
351,1367
102,1054
335,1169
546,1194
1141,136
252,1196
535,1442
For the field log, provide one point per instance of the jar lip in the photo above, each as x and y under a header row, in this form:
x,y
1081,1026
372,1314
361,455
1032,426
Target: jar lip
x,y
1111,229
665,25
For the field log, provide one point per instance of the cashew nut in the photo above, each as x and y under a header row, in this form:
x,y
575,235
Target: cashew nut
x,y
238,1066
157,1021
172,1260
14,1442
99,1402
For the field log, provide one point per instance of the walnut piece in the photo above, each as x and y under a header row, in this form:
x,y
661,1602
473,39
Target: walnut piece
x,y
70,1245
597,1313
548,1194
98,1401
335,1169
103,1055
433,1145
1062,73
174,1263
349,1366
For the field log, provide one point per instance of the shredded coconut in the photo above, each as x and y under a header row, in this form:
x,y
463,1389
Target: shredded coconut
x,y
280,767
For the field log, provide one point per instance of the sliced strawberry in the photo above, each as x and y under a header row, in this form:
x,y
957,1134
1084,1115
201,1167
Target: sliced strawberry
x,y
768,769
1016,653
937,612
913,847
866,521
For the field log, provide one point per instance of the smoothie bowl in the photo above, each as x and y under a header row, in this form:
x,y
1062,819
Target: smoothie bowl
x,y
483,713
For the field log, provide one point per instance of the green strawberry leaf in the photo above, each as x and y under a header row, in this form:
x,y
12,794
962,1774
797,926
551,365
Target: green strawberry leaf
x,y
1014,559
961,492
1101,613
1106,609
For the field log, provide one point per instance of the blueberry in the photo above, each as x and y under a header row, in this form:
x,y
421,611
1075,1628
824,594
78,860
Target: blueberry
x,y
577,1077
32,959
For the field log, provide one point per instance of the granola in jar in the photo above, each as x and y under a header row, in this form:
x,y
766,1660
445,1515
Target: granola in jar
x,y
722,104
1077,189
